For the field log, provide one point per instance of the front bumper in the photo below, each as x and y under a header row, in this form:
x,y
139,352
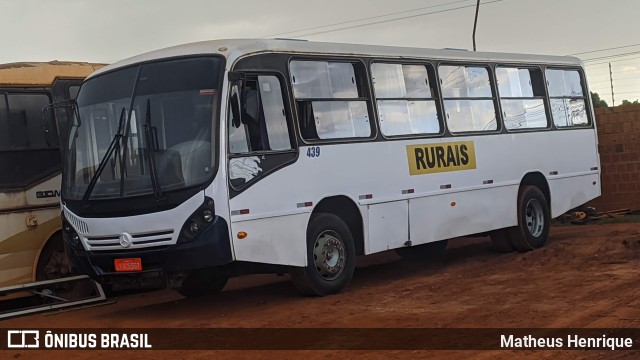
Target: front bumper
x,y
210,248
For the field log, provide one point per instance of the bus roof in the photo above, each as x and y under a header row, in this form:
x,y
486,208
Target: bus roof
x,y
43,73
232,49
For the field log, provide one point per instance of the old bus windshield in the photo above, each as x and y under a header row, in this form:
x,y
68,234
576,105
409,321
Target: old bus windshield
x,y
158,114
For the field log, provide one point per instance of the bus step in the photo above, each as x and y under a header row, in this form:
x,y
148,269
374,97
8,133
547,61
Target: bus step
x,y
48,300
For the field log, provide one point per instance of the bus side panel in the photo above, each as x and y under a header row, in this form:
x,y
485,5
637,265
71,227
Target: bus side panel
x,y
571,192
388,227
272,240
45,193
440,217
219,191
20,246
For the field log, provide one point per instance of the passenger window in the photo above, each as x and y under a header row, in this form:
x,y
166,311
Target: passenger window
x,y
261,124
4,124
568,103
21,121
522,97
329,99
404,98
468,99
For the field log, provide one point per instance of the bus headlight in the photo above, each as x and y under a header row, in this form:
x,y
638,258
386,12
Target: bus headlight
x,y
198,221
207,216
69,234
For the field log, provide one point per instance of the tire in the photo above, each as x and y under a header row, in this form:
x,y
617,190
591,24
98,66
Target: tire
x,y
534,220
424,252
203,282
500,241
328,236
54,264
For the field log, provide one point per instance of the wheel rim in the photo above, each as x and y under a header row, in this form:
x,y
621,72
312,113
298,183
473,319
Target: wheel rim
x,y
329,255
534,217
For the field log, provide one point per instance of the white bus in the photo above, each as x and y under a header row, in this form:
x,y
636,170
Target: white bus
x,y
31,247
191,163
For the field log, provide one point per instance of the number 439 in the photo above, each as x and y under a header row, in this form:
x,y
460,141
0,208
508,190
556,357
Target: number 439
x,y
313,151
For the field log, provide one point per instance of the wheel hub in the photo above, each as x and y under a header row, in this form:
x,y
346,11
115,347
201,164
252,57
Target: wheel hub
x,y
329,255
534,217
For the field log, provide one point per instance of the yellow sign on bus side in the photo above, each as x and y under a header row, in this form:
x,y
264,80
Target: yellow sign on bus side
x,y
441,157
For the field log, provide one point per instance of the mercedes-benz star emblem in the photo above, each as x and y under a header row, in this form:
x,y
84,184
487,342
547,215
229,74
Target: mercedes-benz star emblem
x,y
125,240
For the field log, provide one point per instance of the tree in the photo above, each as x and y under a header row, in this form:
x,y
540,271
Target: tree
x,y
627,102
597,102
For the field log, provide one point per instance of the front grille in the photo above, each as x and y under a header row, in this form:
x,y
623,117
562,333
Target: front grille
x,y
120,249
139,240
80,225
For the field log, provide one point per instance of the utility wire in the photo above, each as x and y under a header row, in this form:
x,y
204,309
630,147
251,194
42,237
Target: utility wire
x,y
363,19
608,92
615,78
390,20
613,48
606,62
627,85
612,56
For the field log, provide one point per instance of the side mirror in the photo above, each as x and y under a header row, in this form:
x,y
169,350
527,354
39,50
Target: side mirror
x,y
57,121
49,127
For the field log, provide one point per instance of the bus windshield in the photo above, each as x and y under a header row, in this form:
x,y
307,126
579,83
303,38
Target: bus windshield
x,y
144,129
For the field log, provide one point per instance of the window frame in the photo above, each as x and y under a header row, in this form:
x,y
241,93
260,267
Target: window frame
x,y
545,98
436,96
285,105
5,101
588,107
489,66
6,92
365,85
33,156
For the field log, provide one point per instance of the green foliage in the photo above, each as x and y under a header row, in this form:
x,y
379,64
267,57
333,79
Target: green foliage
x,y
597,101
627,102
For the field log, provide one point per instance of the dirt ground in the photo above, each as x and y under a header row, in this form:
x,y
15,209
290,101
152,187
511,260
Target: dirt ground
x,y
586,276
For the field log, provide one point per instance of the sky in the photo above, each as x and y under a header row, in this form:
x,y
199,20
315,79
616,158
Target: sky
x,y
108,31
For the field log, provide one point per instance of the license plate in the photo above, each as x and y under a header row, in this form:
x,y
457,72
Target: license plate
x,y
128,265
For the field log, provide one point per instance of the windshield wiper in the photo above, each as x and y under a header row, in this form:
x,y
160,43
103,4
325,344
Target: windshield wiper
x,y
152,148
105,160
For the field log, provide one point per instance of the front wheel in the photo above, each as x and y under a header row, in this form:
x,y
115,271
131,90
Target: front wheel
x,y
203,282
331,257
533,220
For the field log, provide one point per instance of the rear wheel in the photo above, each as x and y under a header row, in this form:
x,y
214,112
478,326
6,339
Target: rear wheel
x,y
500,241
533,220
423,252
203,282
330,257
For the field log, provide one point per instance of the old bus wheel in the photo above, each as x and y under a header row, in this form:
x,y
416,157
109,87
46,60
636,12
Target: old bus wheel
x,y
54,264
203,282
533,220
429,251
330,257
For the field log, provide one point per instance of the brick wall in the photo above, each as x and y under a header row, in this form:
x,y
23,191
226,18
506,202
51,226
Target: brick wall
x,y
619,147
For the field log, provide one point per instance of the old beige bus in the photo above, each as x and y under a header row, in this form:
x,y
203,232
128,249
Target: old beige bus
x,y
31,247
